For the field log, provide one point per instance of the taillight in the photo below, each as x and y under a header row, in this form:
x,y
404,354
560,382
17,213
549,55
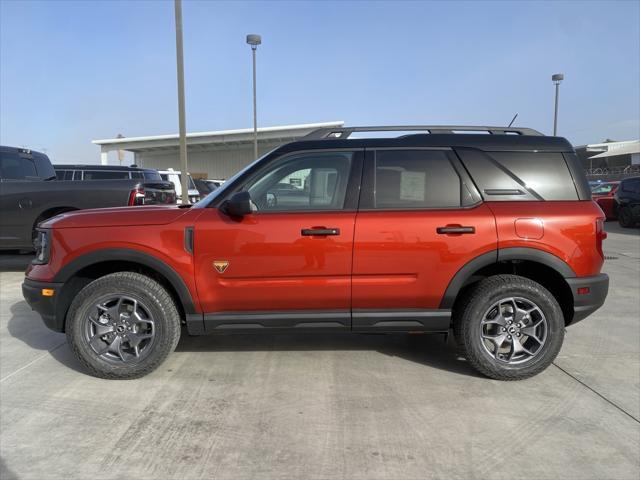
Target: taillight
x,y
600,235
136,197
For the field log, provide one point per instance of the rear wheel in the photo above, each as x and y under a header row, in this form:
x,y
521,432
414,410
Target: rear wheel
x,y
122,325
509,327
625,219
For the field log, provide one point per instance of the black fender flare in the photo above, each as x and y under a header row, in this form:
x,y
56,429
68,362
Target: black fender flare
x,y
499,255
134,256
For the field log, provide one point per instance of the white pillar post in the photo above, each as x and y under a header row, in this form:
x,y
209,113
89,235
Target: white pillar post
x,y
104,159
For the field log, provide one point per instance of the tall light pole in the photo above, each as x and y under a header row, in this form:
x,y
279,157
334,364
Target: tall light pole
x,y
557,78
254,40
181,110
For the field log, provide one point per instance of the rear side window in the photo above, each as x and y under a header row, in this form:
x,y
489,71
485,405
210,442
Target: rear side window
x,y
415,179
543,173
508,176
105,175
16,167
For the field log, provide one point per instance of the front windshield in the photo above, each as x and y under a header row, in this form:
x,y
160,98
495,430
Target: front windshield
x,y
227,184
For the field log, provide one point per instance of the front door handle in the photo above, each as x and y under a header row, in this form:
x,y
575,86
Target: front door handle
x,y
319,231
455,229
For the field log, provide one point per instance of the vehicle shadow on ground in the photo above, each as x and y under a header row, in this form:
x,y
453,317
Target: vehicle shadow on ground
x,y
613,226
27,327
429,350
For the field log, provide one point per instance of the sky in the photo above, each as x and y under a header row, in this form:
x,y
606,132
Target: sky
x,y
72,72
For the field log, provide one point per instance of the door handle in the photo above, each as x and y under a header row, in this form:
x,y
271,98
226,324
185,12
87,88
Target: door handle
x,y
320,231
455,229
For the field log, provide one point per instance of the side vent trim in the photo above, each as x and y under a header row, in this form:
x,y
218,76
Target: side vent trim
x,y
188,240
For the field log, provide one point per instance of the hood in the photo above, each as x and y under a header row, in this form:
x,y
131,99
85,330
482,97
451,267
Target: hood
x,y
116,217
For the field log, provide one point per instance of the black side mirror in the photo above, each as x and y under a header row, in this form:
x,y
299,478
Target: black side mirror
x,y
239,204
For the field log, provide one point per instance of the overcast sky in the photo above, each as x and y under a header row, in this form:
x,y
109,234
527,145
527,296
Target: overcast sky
x,y
72,72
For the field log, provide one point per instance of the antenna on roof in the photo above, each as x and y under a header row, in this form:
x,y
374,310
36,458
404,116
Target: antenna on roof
x,y
512,120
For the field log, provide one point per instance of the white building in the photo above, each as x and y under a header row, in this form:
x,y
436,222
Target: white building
x,y
216,155
610,154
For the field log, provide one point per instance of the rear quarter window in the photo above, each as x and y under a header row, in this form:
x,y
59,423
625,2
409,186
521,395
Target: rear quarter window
x,y
508,176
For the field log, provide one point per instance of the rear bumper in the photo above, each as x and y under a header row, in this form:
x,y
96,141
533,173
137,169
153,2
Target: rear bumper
x,y
45,306
587,303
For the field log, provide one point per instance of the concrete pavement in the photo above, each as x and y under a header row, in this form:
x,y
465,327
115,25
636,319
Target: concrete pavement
x,y
321,406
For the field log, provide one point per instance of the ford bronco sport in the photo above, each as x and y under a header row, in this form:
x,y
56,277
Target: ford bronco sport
x,y
488,231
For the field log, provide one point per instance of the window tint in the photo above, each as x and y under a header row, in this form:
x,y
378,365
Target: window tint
x,y
150,175
136,174
546,174
415,179
15,167
43,166
105,175
307,181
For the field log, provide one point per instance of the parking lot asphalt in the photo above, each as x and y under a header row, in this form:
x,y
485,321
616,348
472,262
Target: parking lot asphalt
x,y
321,406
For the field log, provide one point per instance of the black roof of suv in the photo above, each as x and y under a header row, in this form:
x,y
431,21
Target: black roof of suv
x,y
504,163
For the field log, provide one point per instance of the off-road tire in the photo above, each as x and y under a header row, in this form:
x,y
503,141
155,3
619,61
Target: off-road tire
x,y
469,313
142,288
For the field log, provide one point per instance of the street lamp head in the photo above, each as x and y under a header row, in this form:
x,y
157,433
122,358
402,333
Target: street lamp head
x,y
254,40
557,77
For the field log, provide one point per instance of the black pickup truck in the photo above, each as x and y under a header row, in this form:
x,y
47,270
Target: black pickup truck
x,y
30,193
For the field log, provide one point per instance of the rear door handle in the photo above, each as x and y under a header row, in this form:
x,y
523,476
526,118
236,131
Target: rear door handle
x,y
455,229
319,231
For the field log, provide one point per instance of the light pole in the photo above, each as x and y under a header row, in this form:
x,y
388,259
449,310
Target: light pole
x,y
181,110
556,78
254,40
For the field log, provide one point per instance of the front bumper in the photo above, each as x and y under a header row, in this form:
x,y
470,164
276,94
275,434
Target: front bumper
x,y
584,304
44,305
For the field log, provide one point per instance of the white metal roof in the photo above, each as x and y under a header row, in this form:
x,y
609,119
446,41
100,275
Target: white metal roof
x,y
219,137
628,148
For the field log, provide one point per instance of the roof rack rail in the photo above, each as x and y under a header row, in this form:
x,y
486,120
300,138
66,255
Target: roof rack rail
x,y
345,132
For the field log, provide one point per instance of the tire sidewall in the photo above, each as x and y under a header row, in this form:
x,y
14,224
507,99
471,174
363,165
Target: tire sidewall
x,y
555,322
165,323
624,217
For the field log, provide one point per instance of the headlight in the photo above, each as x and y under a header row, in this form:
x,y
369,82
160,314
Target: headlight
x,y
42,244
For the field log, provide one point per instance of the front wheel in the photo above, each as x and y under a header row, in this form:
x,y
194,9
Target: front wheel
x,y
122,325
509,327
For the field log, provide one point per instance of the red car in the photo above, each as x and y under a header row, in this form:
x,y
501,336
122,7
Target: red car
x,y
494,236
603,194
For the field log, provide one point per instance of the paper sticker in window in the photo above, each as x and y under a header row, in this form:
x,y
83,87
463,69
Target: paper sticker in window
x,y
412,186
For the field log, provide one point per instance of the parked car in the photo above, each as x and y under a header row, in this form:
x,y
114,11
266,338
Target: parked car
x,y
494,236
30,193
627,197
175,177
603,193
104,172
204,186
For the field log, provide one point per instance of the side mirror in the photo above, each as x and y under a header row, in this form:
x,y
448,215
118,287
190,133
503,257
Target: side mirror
x,y
239,204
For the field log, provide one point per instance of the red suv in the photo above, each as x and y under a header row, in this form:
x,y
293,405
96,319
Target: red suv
x,y
487,231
